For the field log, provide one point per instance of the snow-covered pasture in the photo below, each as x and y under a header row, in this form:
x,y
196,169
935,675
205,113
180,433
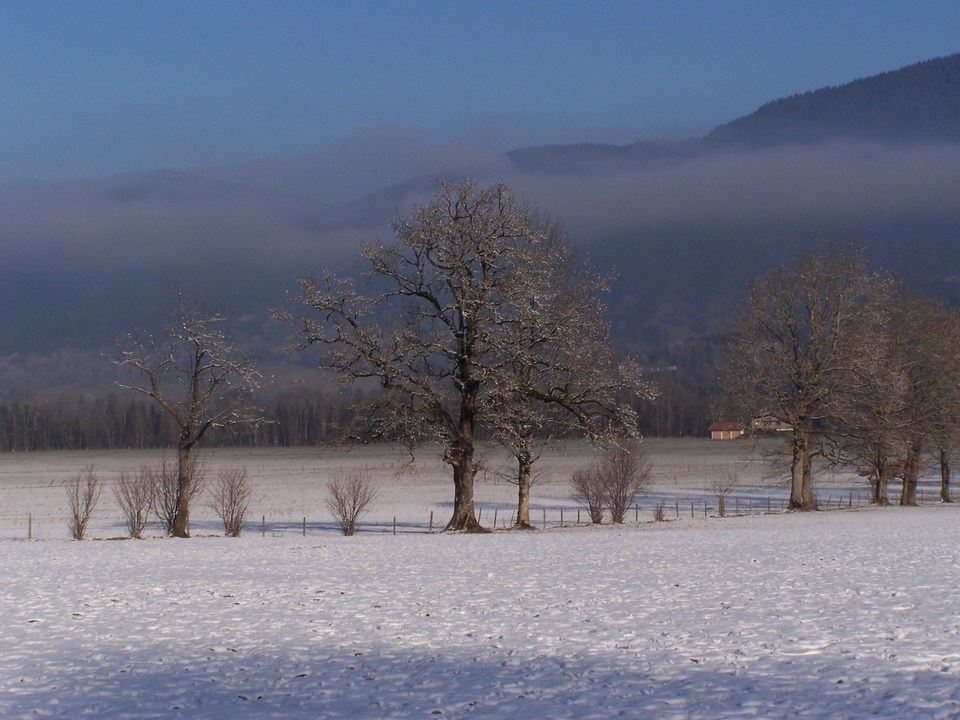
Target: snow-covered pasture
x,y
290,486
848,613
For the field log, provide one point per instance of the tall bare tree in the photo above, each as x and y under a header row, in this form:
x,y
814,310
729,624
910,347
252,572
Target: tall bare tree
x,y
796,347
199,379
558,372
870,424
436,323
927,373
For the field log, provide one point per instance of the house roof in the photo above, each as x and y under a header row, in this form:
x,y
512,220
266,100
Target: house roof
x,y
725,426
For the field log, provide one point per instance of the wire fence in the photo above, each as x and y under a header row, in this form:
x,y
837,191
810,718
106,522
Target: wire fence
x,y
652,508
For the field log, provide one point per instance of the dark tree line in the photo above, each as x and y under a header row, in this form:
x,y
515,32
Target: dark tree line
x,y
115,422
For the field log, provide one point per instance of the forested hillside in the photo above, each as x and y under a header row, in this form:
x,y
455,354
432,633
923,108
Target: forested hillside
x,y
917,103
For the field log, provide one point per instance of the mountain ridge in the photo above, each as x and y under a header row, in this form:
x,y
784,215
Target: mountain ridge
x,y
685,222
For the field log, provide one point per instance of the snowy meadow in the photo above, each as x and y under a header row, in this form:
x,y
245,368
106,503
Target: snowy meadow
x,y
851,613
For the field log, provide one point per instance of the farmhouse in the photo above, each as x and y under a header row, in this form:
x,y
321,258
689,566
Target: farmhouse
x,y
726,430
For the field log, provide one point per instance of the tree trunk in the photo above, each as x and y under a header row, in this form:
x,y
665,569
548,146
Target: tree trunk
x,y
881,478
524,472
181,521
801,484
464,516
911,469
944,476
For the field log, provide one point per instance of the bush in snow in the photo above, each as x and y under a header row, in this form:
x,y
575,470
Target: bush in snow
x,y
588,488
613,482
659,514
721,486
83,492
626,474
134,494
231,499
349,498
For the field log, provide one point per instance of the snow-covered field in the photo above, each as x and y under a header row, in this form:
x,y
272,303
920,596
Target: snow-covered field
x,y
849,613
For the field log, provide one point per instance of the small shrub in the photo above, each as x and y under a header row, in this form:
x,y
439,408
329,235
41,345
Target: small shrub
x,y
83,493
625,473
658,511
349,499
588,488
721,487
231,499
134,494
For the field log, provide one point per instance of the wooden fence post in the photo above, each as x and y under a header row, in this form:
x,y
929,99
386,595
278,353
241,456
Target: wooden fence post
x,y
495,518
304,525
431,523
394,524
30,526
544,518
263,526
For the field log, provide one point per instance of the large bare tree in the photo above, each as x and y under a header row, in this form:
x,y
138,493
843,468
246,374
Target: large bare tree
x,y
871,423
427,322
797,347
200,380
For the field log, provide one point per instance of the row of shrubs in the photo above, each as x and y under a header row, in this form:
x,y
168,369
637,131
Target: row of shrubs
x,y
153,491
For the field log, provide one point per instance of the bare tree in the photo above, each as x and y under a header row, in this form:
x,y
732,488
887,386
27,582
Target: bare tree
x,y
797,347
588,488
447,289
135,494
626,473
200,380
349,498
869,423
230,499
83,493
558,373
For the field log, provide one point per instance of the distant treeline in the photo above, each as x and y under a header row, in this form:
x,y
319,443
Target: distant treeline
x,y
115,422
312,415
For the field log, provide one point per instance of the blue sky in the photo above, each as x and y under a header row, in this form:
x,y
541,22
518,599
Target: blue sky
x,y
94,88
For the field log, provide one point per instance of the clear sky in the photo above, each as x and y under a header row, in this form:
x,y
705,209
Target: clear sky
x,y
96,87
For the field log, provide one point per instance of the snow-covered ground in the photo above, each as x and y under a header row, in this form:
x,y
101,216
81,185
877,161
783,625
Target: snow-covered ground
x,y
849,613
